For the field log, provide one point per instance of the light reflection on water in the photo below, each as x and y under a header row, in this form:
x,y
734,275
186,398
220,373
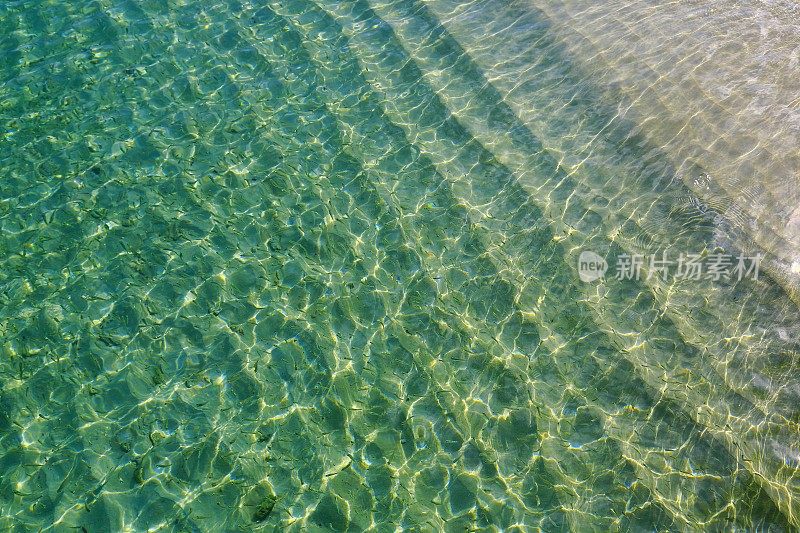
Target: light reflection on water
x,y
312,265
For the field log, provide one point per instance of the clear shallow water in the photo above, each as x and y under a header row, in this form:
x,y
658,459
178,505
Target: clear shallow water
x,y
715,84
312,265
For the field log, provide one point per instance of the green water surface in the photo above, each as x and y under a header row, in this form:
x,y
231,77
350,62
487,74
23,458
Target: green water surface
x,y
301,265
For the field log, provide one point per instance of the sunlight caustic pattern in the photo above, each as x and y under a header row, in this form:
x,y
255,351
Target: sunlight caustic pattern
x,y
311,265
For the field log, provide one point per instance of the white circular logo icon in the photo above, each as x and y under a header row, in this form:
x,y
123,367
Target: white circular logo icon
x,y
591,266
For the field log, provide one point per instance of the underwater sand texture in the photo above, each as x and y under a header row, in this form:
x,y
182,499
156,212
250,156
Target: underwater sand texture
x,y
717,84
311,266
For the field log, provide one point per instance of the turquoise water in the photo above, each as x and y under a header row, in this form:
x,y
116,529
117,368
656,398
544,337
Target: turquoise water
x,y
308,266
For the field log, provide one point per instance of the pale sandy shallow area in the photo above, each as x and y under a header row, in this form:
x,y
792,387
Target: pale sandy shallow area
x,y
708,91
717,85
